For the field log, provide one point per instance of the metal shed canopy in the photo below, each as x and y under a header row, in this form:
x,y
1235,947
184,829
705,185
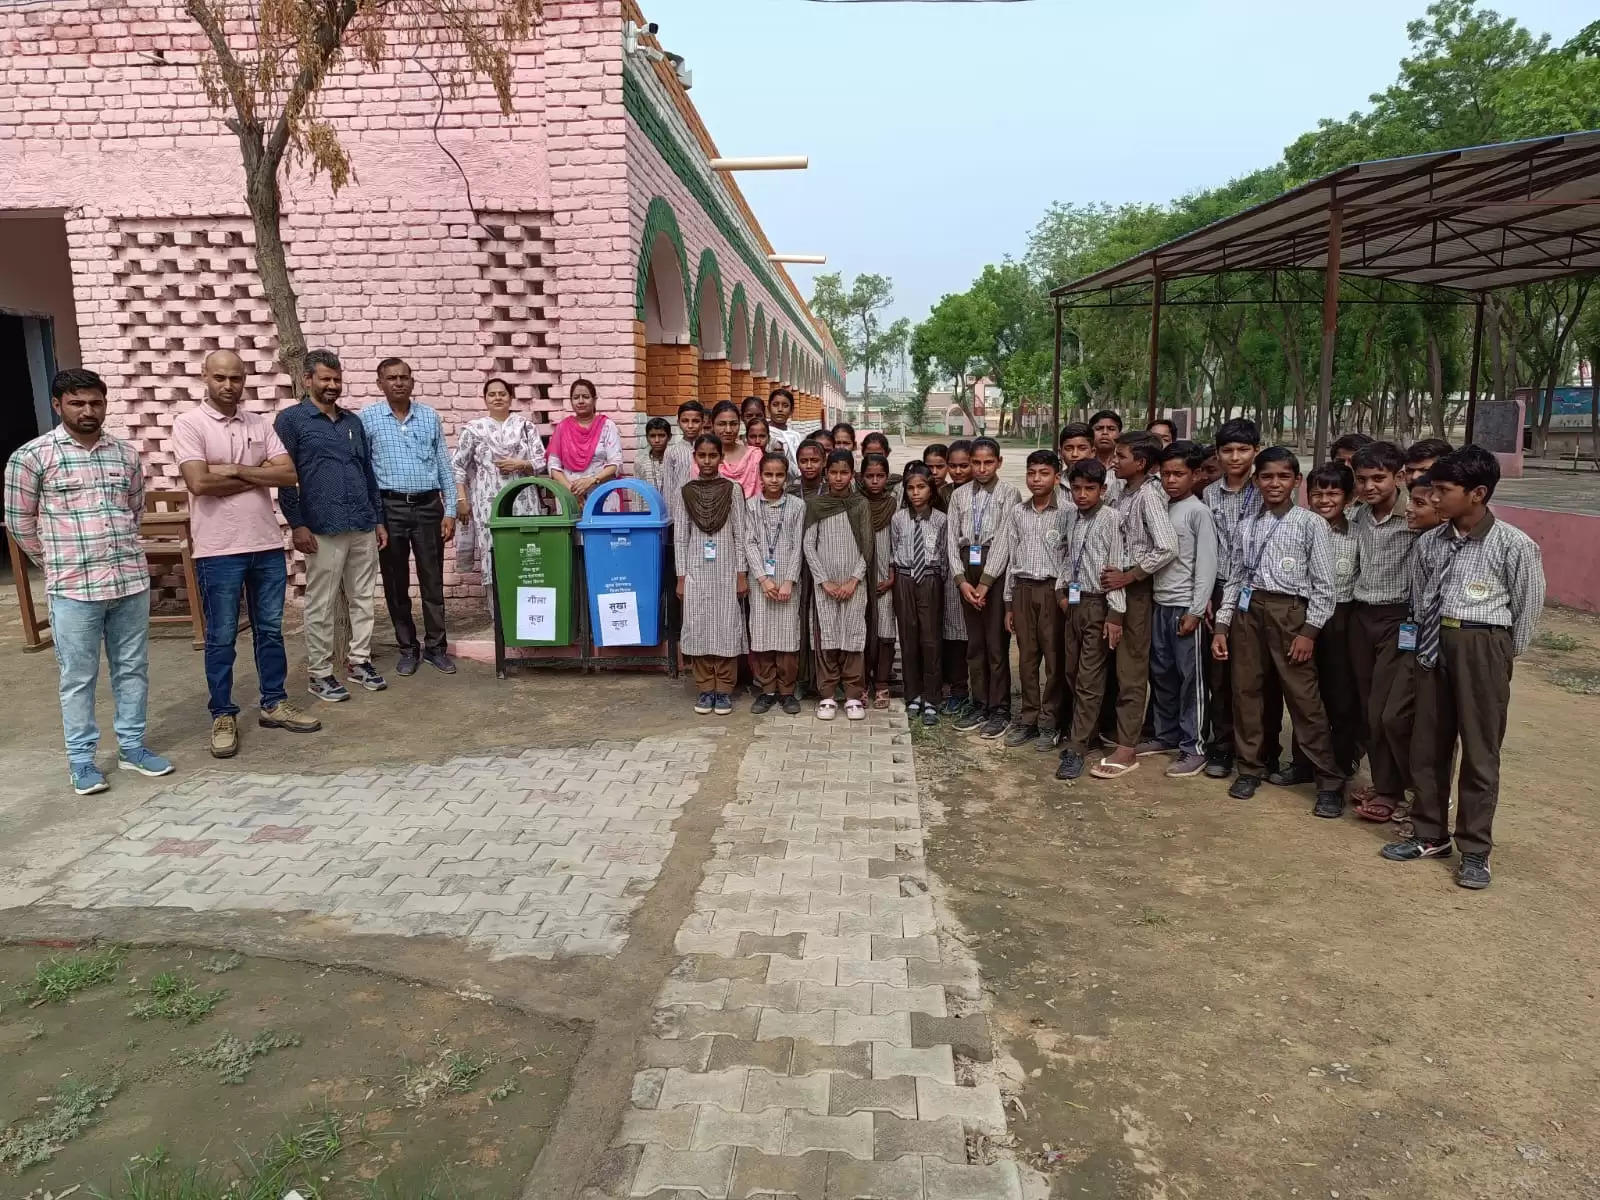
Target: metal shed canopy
x,y
1475,220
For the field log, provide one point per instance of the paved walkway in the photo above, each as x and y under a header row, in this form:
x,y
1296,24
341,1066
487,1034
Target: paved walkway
x,y
817,1039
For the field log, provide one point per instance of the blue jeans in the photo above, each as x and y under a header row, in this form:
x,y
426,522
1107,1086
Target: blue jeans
x,y
77,628
1177,679
260,577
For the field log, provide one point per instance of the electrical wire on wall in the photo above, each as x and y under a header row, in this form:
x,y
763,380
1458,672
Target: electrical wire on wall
x,y
438,116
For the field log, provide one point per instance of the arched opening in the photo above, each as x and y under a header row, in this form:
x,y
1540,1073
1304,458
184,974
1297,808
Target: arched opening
x,y
663,308
666,312
758,348
739,373
711,329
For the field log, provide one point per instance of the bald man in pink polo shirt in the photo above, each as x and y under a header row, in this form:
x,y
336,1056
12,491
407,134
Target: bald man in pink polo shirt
x,y
231,459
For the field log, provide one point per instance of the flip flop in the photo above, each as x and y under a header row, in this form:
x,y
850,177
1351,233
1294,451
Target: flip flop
x,y
1376,810
1106,769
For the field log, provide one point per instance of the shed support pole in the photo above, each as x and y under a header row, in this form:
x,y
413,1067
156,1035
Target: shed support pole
x,y
1330,333
1155,346
1055,381
1472,373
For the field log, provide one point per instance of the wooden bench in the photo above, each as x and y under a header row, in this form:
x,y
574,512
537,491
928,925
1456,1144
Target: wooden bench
x,y
165,537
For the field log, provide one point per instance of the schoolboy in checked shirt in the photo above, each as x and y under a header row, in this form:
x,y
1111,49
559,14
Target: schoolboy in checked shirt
x,y
1280,594
1035,539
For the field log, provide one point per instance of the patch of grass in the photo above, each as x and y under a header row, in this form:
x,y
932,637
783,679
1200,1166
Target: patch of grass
x,y
1579,683
233,1060
1550,640
1149,916
62,976
74,1107
450,1072
505,1091
436,1185
220,964
173,997
296,1160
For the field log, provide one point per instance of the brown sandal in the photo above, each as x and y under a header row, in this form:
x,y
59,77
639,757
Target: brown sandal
x,y
1376,808
881,700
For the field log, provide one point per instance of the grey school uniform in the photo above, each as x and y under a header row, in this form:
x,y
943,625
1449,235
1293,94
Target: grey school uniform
x,y
712,621
774,527
832,554
882,564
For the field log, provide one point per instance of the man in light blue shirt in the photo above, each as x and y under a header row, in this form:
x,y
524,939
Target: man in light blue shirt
x,y
418,490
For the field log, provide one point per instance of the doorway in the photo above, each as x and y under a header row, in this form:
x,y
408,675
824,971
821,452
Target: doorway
x,y
27,361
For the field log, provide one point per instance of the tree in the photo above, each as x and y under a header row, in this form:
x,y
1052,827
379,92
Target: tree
x,y
947,346
854,316
266,63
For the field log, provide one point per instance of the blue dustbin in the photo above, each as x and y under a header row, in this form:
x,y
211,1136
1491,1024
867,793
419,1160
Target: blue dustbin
x,y
623,555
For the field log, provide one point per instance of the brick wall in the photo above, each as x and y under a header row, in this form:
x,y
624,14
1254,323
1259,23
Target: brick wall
x,y
715,381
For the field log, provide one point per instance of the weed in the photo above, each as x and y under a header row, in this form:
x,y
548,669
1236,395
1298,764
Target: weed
x,y
219,964
1550,640
505,1091
296,1160
1149,916
436,1185
33,1031
62,976
1579,683
74,1108
233,1060
450,1071
175,998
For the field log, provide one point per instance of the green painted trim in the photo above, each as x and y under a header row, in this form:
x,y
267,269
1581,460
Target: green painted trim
x,y
709,269
734,301
658,219
760,322
639,106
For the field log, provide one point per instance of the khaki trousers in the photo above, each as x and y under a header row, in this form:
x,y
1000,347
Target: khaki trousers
x,y
714,673
1463,698
775,671
1258,645
1084,680
1037,618
347,563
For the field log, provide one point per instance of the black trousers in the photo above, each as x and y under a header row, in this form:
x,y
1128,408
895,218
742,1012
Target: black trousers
x,y
414,532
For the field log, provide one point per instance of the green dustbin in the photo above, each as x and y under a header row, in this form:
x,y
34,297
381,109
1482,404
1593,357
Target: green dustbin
x,y
533,566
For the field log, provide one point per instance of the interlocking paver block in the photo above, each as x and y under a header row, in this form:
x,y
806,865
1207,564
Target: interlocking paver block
x,y
968,1036
853,1059
722,1088
906,947
849,1179
961,977
789,945
815,1027
884,1027
800,1177
976,1107
893,1136
889,970
681,991
932,1062
952,1181
803,970
854,999
701,967
696,1020
887,998
848,1095
848,1135
647,1086
758,1130
774,1055
766,1090
672,1127
764,995
708,1172
690,1053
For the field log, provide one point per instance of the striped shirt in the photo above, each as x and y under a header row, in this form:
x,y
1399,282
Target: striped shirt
x,y
930,529
1149,541
1497,578
1034,541
833,556
772,530
978,517
1094,543
1346,562
1229,509
76,513
1292,554
652,471
713,620
410,455
1384,551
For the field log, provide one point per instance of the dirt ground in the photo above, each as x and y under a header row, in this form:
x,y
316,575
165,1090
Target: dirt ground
x,y
1211,998
363,1048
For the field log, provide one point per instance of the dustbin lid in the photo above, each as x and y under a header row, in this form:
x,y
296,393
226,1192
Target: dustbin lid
x,y
656,518
501,516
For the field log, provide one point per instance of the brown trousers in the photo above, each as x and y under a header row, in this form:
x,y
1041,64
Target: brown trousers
x,y
1463,698
919,612
1083,641
1133,662
880,659
836,666
776,671
954,653
1381,670
988,649
713,673
1219,705
1259,647
1341,694
1037,619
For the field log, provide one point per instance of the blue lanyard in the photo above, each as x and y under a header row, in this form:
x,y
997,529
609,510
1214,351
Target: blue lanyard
x,y
774,529
1088,524
978,513
1261,550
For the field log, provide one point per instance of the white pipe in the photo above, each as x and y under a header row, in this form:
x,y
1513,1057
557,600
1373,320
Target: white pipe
x,y
771,162
815,260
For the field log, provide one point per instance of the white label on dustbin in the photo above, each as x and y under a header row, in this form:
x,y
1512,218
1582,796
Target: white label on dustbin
x,y
619,619
536,614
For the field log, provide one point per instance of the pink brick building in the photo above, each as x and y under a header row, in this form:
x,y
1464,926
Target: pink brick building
x,y
584,235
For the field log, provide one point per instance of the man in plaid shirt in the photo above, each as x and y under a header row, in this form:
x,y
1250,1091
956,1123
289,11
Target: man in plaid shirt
x,y
74,499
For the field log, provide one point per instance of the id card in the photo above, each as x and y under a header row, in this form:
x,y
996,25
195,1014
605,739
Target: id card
x,y
1244,598
772,567
1408,636
1074,593
975,556
711,551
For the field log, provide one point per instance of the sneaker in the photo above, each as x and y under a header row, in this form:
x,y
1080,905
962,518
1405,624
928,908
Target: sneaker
x,y
705,703
790,704
1245,787
144,762
1329,805
913,706
410,656
930,716
1219,765
970,717
854,710
995,726
328,688
954,706
1408,849
1151,747
440,660
724,705
224,736
1070,766
1049,741
827,710
1473,872
1016,735
86,778
366,675
1291,776
284,715
1186,765
764,703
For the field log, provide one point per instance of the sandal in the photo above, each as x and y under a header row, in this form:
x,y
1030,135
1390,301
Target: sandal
x,y
854,710
1362,795
827,710
881,700
1375,808
1106,769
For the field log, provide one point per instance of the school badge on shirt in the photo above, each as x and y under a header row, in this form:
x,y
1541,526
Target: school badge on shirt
x,y
1477,589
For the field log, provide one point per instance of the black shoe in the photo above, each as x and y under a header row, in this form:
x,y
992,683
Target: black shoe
x,y
410,656
1244,787
955,706
789,704
1049,741
764,703
439,660
1070,766
1409,849
1291,776
1473,872
1219,765
367,676
1016,735
1329,804
996,725
970,718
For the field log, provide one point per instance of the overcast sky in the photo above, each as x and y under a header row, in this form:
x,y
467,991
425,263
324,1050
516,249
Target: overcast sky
x,y
939,133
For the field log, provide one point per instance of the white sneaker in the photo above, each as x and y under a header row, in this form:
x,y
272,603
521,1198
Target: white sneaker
x,y
827,710
855,710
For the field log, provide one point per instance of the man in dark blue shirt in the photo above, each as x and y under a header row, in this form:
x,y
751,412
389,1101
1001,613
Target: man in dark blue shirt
x,y
336,520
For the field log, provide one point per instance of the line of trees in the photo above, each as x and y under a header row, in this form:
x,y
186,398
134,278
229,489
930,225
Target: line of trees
x,y
1471,77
